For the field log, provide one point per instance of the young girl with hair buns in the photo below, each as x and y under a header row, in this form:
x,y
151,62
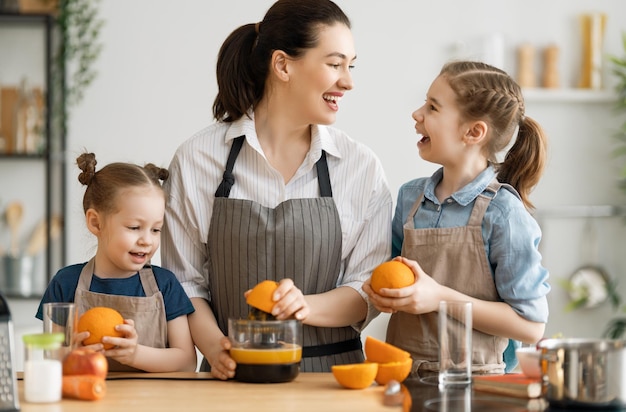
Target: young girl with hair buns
x,y
124,205
466,231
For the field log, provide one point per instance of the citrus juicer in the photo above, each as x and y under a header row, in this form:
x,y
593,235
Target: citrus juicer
x,y
266,350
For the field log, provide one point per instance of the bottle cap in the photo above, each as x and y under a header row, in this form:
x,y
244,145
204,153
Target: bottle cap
x,y
44,340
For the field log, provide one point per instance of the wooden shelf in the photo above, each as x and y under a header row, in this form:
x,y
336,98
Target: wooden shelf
x,y
569,95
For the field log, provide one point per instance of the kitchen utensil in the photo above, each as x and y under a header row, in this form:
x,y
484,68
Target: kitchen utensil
x,y
18,275
266,351
14,214
584,373
8,383
39,238
529,361
589,285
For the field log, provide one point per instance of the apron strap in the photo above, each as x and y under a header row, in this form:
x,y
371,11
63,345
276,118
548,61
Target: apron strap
x,y
228,180
323,177
332,348
148,281
416,205
483,200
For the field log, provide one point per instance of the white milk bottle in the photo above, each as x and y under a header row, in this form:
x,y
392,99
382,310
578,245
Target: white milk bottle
x,y
43,372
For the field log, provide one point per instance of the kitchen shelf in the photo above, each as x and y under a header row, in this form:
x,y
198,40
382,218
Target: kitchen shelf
x,y
580,211
37,178
569,95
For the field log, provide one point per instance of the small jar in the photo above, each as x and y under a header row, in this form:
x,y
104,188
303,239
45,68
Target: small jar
x,y
43,371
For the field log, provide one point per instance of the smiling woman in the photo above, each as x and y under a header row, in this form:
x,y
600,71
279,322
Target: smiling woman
x,y
271,191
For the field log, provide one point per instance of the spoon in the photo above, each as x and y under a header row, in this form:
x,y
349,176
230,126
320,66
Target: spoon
x,y
14,214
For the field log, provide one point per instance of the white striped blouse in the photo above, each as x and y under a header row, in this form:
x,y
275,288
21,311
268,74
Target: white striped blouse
x,y
359,186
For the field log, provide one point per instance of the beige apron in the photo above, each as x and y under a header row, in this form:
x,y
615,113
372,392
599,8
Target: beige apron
x,y
147,312
299,239
454,257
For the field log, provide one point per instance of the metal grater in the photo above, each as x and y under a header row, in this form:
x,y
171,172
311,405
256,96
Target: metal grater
x,y
8,384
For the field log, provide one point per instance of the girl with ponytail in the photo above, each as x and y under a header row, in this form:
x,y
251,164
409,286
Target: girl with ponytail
x,y
466,231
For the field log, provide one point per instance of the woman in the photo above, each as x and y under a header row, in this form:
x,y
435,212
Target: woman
x,y
271,192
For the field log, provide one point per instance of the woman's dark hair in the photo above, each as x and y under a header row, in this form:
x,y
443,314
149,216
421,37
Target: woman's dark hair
x,y
104,185
244,58
484,92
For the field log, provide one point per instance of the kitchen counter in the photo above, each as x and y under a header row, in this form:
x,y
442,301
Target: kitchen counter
x,y
315,392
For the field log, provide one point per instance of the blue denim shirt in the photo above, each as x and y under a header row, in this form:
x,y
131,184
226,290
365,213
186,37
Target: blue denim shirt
x,y
510,234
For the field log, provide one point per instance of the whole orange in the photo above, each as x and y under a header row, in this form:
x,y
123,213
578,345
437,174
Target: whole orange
x,y
100,321
391,275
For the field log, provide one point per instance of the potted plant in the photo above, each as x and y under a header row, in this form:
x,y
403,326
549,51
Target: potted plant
x,y
590,286
616,328
78,48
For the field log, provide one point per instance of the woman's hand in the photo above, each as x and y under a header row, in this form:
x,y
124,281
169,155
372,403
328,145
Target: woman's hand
x,y
222,365
290,302
423,296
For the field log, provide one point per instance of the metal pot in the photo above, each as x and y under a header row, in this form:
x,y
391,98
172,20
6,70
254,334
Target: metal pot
x,y
584,373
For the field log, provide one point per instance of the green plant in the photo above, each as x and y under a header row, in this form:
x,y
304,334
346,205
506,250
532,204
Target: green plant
x,y
616,328
77,49
619,70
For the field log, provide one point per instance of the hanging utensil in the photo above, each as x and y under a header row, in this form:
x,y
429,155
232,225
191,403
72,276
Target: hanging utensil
x,y
589,285
14,214
39,238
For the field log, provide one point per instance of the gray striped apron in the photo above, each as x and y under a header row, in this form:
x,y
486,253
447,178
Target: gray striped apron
x,y
299,239
454,257
147,312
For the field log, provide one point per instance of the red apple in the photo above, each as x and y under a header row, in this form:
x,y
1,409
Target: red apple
x,y
85,362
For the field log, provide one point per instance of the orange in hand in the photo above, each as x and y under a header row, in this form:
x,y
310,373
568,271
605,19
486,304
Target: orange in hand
x,y
100,321
260,296
391,274
355,375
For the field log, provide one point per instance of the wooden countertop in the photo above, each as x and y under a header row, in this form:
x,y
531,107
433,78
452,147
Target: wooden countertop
x,y
315,392
309,392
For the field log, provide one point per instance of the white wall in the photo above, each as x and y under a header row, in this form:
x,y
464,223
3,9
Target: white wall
x,y
156,85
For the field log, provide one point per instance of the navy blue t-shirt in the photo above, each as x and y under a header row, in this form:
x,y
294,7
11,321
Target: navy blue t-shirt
x,y
63,286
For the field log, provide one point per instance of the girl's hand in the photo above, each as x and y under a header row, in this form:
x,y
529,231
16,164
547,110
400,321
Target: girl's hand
x,y
376,299
124,348
423,296
222,365
290,302
79,337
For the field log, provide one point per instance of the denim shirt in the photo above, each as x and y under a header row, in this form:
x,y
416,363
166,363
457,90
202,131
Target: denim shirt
x,y
510,234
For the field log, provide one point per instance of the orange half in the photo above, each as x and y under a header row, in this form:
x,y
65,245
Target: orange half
x,y
260,296
383,352
355,375
398,371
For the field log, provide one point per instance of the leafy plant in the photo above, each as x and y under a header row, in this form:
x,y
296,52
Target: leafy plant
x,y
77,49
616,328
619,69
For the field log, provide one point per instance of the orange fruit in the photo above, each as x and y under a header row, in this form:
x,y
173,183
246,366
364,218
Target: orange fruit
x,y
260,296
392,275
355,375
383,352
100,321
398,371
